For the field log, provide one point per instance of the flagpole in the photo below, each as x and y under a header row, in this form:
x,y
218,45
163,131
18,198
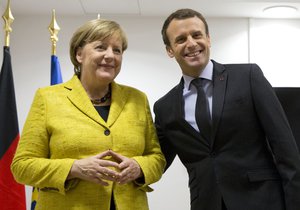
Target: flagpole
x,y
8,19
54,29
12,194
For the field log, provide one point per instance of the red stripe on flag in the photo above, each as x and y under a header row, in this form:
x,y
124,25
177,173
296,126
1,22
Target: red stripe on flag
x,y
12,194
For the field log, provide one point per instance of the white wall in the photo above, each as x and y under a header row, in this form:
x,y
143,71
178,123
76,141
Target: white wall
x,y
147,67
275,45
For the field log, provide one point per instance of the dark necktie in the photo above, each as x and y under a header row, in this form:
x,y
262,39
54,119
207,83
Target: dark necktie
x,y
202,112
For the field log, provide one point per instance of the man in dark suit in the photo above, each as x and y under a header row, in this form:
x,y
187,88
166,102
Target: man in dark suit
x,y
289,98
246,157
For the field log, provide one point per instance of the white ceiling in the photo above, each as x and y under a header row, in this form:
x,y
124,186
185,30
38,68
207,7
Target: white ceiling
x,y
139,8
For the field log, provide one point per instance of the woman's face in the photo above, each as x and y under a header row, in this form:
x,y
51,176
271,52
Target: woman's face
x,y
100,60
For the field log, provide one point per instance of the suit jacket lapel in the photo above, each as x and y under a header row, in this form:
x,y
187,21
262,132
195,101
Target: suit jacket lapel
x,y
179,110
78,96
219,89
118,102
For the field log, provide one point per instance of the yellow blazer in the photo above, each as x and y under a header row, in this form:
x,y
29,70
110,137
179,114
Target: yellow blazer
x,y
63,126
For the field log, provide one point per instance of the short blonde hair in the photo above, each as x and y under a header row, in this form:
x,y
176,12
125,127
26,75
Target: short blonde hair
x,y
93,30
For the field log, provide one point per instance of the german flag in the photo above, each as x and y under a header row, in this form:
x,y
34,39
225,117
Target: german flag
x,y
12,194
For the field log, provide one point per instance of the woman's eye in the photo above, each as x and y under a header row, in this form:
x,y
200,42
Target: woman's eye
x,y
100,47
118,51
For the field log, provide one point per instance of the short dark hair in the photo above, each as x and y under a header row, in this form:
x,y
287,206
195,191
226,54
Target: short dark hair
x,y
180,15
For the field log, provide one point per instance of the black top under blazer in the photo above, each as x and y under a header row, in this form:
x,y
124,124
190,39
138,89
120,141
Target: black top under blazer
x,y
251,161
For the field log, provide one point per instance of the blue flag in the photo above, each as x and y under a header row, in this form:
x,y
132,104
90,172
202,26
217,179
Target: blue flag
x,y
55,70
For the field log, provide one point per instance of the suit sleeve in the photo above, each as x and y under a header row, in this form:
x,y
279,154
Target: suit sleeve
x,y
279,137
166,147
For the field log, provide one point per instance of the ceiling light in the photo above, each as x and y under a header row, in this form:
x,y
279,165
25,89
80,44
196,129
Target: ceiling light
x,y
280,11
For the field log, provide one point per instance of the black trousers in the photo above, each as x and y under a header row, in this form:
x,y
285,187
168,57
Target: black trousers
x,y
112,203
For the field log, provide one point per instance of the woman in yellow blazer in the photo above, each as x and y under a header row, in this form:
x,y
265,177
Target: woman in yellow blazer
x,y
90,143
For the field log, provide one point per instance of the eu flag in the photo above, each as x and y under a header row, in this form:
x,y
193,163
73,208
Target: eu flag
x,y
55,70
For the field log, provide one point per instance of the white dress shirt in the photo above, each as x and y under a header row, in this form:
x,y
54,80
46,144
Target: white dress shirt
x,y
190,94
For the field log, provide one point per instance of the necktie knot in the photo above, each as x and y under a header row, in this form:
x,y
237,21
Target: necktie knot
x,y
198,82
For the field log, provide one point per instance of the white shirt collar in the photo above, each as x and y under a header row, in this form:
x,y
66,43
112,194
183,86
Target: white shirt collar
x,y
207,73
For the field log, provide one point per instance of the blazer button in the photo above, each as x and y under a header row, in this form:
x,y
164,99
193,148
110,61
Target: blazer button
x,y
106,132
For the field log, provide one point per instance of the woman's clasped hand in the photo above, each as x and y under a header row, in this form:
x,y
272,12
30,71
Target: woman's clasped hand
x,y
106,166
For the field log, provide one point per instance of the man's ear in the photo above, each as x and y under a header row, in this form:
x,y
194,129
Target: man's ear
x,y
170,51
208,39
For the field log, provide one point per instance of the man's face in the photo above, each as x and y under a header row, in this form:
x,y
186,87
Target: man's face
x,y
189,44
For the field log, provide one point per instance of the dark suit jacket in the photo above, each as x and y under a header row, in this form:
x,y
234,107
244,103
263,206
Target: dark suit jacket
x,y
251,161
290,101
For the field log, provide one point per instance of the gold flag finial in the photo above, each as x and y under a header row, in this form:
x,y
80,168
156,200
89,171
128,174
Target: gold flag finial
x,y
54,29
8,19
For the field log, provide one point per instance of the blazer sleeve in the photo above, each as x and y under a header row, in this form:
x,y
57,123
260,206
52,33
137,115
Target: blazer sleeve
x,y
31,164
279,136
152,162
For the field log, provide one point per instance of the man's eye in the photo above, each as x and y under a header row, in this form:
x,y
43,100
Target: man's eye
x,y
197,35
180,40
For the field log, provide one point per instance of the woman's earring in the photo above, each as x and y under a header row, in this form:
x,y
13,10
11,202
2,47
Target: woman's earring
x,y
77,70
